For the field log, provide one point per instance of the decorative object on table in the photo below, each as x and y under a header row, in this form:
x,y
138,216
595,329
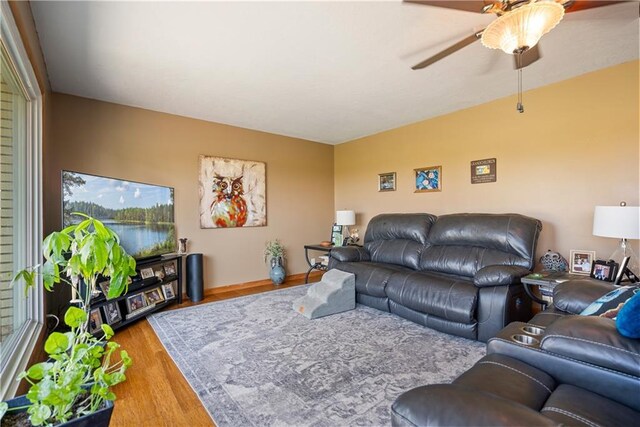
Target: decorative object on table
x,y
581,261
182,247
159,272
336,235
604,270
387,181
84,252
335,293
112,312
274,253
232,193
428,179
325,243
95,321
554,261
344,219
483,171
353,237
619,222
147,273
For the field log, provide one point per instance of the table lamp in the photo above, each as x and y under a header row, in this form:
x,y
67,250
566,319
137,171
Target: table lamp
x,y
620,222
345,219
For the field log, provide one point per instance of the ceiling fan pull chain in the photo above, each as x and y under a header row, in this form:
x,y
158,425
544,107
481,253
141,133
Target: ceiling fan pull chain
x,y
519,107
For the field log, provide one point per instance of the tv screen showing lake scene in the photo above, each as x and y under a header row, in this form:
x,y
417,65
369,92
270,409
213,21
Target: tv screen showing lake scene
x,y
141,214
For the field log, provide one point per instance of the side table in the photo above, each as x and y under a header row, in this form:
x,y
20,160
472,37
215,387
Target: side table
x,y
546,281
315,265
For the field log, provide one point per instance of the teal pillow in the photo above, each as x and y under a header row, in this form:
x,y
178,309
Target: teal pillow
x,y
628,320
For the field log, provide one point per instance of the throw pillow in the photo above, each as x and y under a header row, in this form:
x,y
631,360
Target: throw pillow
x,y
608,305
628,320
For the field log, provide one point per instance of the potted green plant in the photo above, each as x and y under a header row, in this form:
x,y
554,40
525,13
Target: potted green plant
x,y
73,387
274,253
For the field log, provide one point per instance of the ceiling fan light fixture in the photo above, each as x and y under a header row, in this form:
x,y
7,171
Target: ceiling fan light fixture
x,y
522,28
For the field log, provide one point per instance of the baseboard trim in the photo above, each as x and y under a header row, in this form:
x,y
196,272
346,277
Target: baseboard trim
x,y
294,278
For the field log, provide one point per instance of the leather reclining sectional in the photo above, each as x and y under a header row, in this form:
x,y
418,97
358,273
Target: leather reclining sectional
x,y
573,370
457,273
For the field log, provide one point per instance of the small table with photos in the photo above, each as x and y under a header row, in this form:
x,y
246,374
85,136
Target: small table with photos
x,y
312,262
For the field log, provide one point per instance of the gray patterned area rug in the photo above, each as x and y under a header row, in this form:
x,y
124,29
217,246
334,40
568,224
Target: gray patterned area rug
x,y
253,361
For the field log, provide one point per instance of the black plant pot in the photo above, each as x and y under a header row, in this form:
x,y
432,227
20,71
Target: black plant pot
x,y
100,418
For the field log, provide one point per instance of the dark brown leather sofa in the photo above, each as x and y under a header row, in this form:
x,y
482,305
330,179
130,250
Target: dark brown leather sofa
x,y
457,273
576,370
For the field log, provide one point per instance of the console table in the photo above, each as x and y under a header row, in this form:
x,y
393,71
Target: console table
x,y
315,265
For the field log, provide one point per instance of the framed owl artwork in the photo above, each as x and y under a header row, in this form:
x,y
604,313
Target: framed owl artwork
x,y
232,193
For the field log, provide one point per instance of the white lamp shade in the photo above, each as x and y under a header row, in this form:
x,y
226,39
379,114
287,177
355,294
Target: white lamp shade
x,y
523,26
622,222
345,217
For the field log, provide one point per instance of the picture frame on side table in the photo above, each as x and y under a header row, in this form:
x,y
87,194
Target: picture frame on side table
x,y
581,261
428,179
95,320
604,270
112,312
387,181
336,235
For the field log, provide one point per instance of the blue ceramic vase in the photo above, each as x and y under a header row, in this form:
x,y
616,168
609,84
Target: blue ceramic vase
x,y
277,271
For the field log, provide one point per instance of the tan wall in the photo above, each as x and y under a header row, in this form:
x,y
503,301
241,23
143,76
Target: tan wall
x,y
575,147
140,145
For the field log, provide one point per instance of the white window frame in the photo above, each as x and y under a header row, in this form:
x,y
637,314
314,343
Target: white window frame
x,y
25,338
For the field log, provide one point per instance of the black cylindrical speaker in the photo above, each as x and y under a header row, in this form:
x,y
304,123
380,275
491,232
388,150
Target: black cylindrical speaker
x,y
195,284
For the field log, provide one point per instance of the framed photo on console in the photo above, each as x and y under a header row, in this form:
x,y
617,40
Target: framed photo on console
x,y
170,269
604,270
95,320
146,273
154,296
136,302
581,261
112,312
168,291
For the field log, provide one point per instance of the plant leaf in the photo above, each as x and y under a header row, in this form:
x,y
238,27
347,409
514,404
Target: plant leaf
x,y
39,414
56,343
74,317
4,406
38,370
108,331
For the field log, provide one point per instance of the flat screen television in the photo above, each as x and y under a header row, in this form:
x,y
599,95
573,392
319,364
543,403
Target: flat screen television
x,y
141,214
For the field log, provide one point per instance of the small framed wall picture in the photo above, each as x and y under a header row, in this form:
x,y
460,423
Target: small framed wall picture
x,y
146,273
387,181
167,290
428,179
154,296
112,312
483,171
95,320
581,261
136,302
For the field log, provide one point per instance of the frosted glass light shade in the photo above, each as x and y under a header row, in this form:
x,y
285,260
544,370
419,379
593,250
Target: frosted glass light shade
x,y
523,26
345,217
622,222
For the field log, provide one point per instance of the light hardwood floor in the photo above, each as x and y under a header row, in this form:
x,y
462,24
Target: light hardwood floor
x,y
156,393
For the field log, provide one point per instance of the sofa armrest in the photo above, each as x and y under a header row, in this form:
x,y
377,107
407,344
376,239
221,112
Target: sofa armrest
x,y
576,295
454,405
593,340
497,275
350,254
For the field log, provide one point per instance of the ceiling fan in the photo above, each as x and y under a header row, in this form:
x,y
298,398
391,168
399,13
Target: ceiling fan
x,y
517,29
512,31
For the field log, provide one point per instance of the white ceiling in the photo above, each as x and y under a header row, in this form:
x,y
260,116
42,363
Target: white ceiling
x,y
323,71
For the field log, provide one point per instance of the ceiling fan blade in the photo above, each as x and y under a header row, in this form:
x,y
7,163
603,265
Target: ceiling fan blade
x,y
578,5
469,6
527,58
448,51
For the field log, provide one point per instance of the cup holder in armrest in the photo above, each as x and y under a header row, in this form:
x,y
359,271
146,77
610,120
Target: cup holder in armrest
x,y
532,330
525,339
